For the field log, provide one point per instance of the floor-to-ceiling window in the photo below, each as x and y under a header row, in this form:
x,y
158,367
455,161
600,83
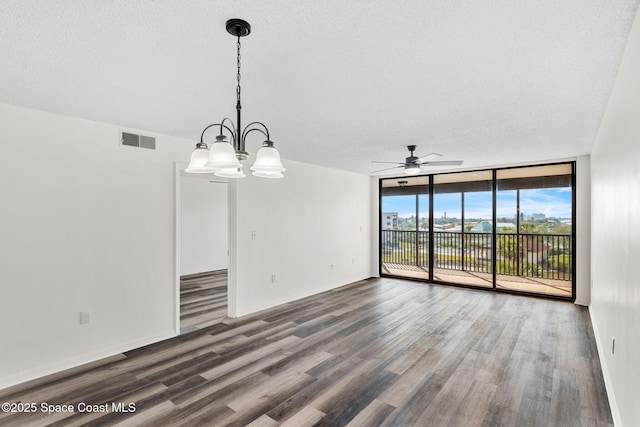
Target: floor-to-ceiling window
x,y
534,237
404,225
508,229
462,233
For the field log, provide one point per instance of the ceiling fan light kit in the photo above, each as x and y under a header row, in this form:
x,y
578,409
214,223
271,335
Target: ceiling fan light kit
x,y
412,165
412,169
224,157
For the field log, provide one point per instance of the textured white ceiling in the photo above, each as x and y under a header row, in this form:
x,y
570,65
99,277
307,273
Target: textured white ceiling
x,y
338,83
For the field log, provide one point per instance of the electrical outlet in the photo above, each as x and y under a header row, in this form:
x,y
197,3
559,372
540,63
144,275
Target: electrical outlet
x,y
331,267
253,235
273,278
353,261
85,317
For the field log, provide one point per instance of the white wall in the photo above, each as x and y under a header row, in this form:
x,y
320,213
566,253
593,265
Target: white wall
x,y
312,231
85,223
203,224
88,224
615,237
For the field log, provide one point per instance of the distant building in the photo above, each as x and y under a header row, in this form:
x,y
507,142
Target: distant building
x,y
390,220
503,226
533,217
537,251
482,227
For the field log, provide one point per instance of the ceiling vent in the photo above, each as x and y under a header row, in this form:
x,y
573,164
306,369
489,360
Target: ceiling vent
x,y
133,140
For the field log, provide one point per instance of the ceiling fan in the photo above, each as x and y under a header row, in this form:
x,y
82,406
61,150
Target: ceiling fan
x,y
412,164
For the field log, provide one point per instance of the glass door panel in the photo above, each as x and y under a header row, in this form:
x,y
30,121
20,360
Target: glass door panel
x,y
402,238
463,215
478,236
447,224
535,252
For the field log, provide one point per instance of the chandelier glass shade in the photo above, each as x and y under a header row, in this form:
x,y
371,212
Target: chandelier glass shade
x,y
230,173
224,157
268,164
199,160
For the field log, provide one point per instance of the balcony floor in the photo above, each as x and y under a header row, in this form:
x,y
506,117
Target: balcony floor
x,y
541,286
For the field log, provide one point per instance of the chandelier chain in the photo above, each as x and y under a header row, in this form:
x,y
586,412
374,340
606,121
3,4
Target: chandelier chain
x,y
238,76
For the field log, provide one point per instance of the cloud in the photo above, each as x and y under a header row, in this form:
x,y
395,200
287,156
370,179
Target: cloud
x,y
553,202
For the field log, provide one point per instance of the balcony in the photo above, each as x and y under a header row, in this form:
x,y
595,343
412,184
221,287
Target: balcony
x,y
534,263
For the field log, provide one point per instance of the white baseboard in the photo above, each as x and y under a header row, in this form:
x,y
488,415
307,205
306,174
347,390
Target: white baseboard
x,y
613,405
74,362
254,309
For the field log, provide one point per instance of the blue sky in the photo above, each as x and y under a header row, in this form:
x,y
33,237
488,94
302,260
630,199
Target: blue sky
x,y
553,202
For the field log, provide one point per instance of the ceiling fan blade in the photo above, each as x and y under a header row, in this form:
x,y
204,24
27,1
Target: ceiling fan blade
x,y
391,163
430,154
442,163
388,169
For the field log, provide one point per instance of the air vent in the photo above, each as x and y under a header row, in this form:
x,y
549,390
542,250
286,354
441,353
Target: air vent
x,y
133,140
130,139
147,142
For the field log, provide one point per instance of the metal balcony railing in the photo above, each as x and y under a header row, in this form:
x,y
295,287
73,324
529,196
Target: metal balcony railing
x,y
546,256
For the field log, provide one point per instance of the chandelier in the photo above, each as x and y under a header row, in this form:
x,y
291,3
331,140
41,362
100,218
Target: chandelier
x,y
223,159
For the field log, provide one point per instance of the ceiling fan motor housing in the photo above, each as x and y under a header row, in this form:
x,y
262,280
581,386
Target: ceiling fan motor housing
x,y
412,164
411,160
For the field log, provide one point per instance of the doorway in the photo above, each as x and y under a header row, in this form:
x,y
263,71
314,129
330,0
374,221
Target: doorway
x,y
203,248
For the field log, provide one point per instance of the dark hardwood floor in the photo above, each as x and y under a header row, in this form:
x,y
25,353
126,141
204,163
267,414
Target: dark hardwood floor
x,y
379,352
203,300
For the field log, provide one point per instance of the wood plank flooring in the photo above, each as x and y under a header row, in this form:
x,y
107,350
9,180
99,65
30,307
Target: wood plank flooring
x,y
203,300
379,352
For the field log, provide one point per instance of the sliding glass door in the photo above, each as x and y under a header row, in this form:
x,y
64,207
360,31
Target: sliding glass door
x,y
535,235
509,229
462,207
404,225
